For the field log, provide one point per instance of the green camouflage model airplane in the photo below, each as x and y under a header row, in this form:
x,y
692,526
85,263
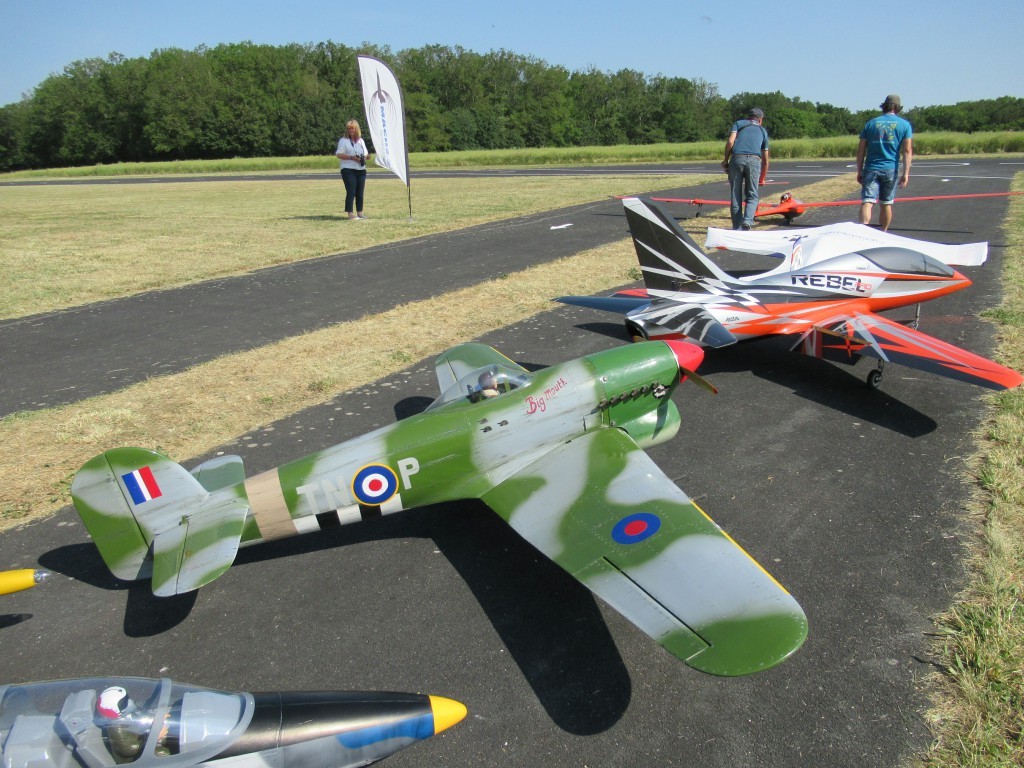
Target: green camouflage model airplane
x,y
556,453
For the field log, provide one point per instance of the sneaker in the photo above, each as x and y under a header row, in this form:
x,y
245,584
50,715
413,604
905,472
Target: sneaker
x,y
745,227
361,217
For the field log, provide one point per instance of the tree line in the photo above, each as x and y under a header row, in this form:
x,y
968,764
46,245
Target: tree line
x,y
247,100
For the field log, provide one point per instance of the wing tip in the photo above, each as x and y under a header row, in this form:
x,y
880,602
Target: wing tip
x,y
745,646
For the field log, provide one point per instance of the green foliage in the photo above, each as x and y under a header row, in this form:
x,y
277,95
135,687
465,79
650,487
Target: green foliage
x,y
243,100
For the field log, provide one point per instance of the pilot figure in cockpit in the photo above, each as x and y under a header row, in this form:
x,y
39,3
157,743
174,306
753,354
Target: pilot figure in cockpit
x,y
488,385
123,725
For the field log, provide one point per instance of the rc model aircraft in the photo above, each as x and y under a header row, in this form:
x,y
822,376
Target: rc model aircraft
x,y
556,453
826,293
790,207
103,722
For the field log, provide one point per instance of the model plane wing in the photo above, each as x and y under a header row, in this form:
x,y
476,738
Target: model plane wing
x,y
601,509
460,360
820,243
887,340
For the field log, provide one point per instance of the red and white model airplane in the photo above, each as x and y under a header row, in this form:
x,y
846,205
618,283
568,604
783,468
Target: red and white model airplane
x,y
826,293
790,207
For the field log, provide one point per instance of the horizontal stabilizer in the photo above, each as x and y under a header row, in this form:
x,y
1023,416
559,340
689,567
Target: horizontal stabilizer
x,y
620,304
693,321
198,550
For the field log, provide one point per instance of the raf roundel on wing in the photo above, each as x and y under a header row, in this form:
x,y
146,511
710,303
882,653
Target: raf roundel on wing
x,y
635,528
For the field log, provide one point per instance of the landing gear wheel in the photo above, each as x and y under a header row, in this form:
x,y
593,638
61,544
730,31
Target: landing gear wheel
x,y
874,378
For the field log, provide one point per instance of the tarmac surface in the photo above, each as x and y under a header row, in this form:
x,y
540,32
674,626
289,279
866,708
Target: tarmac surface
x,y
854,499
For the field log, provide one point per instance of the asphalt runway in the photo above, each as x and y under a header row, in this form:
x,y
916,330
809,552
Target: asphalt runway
x,y
854,499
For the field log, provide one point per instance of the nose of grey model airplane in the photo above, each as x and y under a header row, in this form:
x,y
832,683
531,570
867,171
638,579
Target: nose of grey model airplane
x,y
331,728
447,712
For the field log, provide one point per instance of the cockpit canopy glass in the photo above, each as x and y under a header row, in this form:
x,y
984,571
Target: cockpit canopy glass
x,y
482,384
106,722
907,261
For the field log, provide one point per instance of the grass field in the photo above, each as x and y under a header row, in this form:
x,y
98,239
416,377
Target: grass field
x,y
65,246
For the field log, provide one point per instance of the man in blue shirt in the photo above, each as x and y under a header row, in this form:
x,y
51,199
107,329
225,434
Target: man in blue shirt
x,y
746,161
884,139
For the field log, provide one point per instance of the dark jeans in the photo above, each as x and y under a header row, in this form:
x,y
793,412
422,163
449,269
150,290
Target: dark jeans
x,y
355,183
744,172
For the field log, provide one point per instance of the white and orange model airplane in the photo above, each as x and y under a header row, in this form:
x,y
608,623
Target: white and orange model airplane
x,y
826,293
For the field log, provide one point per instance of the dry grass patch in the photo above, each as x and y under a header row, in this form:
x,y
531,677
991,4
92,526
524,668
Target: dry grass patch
x,y
63,246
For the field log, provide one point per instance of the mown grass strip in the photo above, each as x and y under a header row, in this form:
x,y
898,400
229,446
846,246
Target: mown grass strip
x,y
978,719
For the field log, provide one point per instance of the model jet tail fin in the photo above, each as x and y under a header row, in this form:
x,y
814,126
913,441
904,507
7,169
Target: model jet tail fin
x,y
150,516
669,258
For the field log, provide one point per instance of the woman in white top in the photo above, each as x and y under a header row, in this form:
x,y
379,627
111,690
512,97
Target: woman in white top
x,y
352,153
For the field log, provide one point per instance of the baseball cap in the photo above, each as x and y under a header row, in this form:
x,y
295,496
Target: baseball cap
x,y
757,112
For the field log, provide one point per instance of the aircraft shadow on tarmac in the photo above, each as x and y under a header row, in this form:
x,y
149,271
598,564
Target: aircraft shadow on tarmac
x,y
551,624
836,387
10,619
145,614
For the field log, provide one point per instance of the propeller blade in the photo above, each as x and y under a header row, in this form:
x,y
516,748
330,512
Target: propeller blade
x,y
699,380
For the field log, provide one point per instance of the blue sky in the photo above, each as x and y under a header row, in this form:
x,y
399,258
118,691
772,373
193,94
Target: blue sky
x,y
848,54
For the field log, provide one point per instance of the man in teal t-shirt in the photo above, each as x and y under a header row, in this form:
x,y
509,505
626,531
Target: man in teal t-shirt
x,y
884,139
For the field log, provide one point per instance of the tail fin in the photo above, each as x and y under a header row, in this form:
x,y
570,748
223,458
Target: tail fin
x,y
150,516
669,258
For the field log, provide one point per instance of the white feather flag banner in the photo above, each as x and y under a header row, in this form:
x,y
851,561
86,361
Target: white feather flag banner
x,y
385,116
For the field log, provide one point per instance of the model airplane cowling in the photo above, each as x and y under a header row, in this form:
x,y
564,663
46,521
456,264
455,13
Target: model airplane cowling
x,y
556,453
79,724
825,296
